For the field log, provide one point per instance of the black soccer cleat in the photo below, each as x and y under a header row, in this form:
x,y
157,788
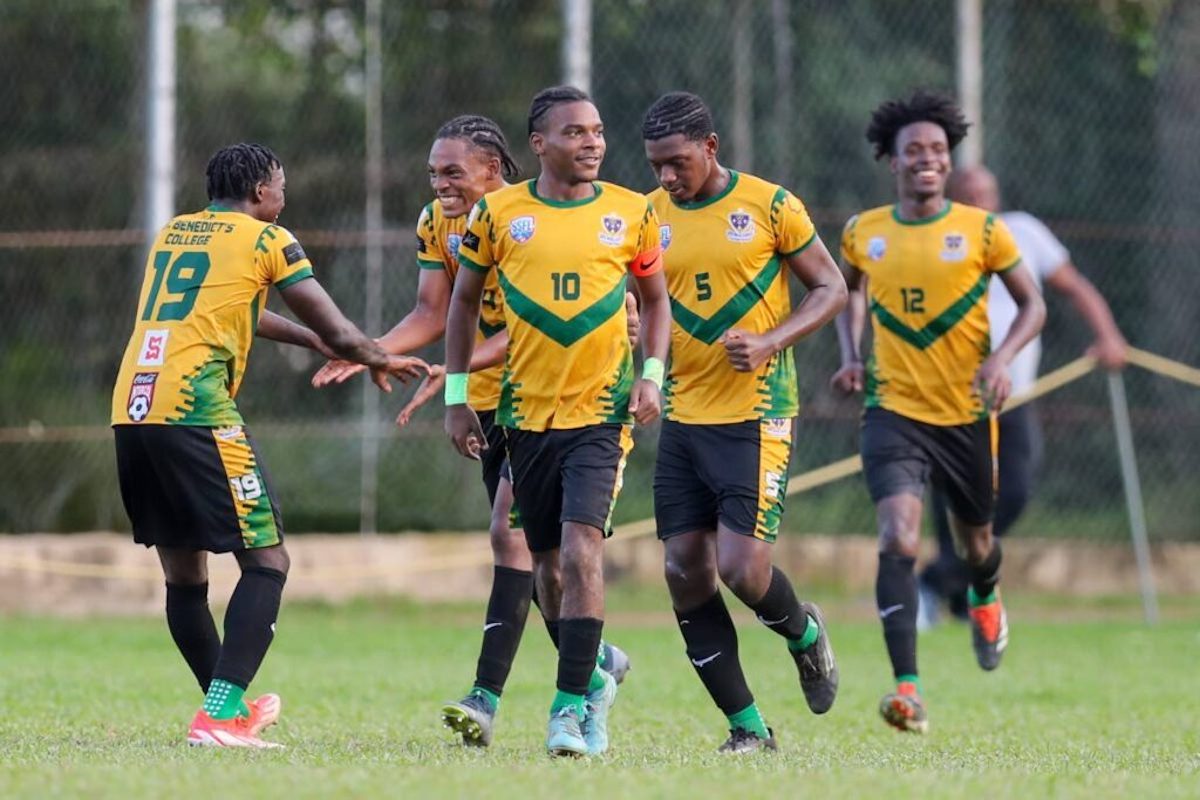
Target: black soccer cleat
x,y
817,665
743,741
472,718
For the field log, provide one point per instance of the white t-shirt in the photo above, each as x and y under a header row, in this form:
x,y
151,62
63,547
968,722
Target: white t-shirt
x,y
1042,254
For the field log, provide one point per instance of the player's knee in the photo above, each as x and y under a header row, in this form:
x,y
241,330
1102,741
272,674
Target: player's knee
x,y
743,577
508,545
274,558
899,540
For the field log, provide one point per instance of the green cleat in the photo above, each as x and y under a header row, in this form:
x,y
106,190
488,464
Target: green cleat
x,y
472,718
595,725
743,741
563,736
818,668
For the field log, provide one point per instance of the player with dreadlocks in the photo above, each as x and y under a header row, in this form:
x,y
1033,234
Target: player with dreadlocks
x,y
469,158
922,267
730,240
562,248
191,479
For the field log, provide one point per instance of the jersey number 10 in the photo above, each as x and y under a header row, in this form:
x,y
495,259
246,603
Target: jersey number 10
x,y
184,278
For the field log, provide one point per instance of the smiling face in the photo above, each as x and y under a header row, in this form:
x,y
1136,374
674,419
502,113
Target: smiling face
x,y
268,200
921,162
460,173
570,142
682,166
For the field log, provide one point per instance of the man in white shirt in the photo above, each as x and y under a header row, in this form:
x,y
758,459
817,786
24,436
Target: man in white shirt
x,y
1020,434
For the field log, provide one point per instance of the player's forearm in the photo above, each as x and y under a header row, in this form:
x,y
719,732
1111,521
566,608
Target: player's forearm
x,y
278,328
656,326
351,344
420,327
460,333
821,304
849,323
490,352
1031,314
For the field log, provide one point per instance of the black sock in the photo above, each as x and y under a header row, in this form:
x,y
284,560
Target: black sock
x,y
579,641
192,627
712,647
552,629
779,609
985,575
507,611
896,596
249,624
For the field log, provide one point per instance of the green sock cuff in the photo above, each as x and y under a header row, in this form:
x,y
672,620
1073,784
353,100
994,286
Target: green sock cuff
x,y
488,695
913,679
809,638
750,719
974,600
596,682
563,700
243,709
224,699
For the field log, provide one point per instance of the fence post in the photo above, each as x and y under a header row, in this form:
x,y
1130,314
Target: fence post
x,y
969,14
160,121
577,44
1133,494
368,511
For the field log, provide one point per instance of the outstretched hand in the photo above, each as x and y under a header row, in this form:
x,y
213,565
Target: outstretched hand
x,y
426,391
402,368
337,370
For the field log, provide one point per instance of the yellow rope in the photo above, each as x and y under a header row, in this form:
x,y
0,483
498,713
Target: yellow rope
x,y
631,530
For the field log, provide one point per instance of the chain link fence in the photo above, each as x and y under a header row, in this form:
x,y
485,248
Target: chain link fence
x,y
1089,116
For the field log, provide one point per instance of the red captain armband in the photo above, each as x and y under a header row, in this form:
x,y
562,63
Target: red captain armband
x,y
647,263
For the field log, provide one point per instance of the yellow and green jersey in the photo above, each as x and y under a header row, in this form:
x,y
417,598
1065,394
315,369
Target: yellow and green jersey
x,y
562,268
724,261
438,239
206,283
927,284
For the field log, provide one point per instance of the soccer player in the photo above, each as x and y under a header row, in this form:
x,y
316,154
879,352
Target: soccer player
x,y
561,247
469,158
1020,434
923,266
191,479
729,241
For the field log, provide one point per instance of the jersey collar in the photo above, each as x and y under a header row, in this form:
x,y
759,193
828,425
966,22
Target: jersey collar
x,y
708,201
583,201
927,220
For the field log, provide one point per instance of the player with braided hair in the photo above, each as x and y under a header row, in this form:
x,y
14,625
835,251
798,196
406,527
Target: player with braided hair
x,y
469,158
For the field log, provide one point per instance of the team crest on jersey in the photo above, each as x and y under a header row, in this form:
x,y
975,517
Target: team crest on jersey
x,y
664,236
954,247
613,232
453,242
228,433
779,428
741,226
521,229
154,348
876,247
141,395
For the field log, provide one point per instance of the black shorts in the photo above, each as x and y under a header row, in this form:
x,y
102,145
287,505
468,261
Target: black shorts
x,y
195,488
567,476
901,455
494,460
735,474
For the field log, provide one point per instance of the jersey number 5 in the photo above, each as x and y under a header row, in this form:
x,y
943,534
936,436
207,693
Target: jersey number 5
x,y
184,278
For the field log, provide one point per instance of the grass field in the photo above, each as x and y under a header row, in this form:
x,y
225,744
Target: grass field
x,y
1079,709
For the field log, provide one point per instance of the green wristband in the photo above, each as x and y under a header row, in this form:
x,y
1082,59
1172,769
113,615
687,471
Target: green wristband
x,y
652,370
456,388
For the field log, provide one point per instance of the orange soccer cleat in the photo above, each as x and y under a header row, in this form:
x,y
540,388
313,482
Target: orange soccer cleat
x,y
989,632
264,712
236,732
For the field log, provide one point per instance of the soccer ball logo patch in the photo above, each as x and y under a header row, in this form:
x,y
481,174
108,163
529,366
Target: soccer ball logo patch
x,y
521,229
141,395
613,231
741,226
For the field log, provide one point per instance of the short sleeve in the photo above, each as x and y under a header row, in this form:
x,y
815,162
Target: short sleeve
x,y
1000,252
648,259
1040,248
429,250
280,258
477,249
850,243
791,224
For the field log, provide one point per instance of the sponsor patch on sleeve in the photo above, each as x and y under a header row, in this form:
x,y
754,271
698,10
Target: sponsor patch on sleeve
x,y
471,241
154,348
293,253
